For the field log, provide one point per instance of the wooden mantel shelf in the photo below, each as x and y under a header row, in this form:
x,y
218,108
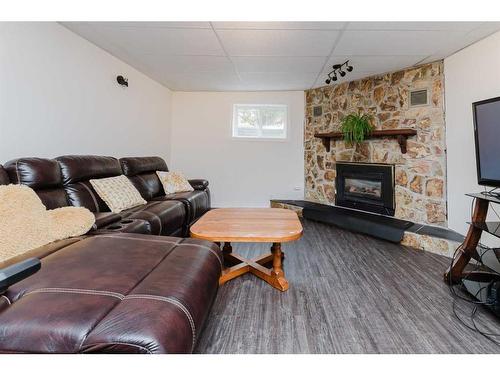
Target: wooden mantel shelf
x,y
401,135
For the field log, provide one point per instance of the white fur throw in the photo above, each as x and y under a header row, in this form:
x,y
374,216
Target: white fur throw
x,y
26,224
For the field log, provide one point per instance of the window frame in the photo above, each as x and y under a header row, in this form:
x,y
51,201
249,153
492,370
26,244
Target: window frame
x,y
234,115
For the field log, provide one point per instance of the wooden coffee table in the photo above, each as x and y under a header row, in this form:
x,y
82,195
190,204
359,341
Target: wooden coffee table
x,y
226,225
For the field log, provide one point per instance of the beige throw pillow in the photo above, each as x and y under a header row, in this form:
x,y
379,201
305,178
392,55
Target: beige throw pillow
x,y
174,182
118,193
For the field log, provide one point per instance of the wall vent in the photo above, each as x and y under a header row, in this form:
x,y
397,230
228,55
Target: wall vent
x,y
418,98
317,111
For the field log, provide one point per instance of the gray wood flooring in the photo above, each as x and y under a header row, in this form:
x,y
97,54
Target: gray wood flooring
x,y
349,293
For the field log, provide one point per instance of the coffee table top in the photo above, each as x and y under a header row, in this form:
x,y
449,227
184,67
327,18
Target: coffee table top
x,y
248,225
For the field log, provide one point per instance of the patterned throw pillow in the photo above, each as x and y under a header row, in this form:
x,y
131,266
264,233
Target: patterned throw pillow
x,y
118,193
174,182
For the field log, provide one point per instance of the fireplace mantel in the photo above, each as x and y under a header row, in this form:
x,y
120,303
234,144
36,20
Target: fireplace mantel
x,y
401,135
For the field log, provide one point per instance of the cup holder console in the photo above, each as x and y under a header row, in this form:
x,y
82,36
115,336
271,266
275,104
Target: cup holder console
x,y
127,226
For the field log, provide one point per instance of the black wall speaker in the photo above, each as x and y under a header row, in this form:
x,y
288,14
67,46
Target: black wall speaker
x,y
122,81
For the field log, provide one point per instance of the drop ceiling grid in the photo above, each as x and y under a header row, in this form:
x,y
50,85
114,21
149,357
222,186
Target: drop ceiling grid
x,y
272,56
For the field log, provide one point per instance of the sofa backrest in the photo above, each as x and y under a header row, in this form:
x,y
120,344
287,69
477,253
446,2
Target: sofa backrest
x,y
43,176
4,177
77,170
141,171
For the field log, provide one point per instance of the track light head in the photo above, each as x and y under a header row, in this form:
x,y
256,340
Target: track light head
x,y
338,69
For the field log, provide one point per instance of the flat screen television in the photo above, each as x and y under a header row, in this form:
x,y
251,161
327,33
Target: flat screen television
x,y
486,115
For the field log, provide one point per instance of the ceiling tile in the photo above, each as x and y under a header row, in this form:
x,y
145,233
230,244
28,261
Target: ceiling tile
x,y
186,64
204,82
278,81
280,25
375,63
171,25
278,42
162,40
275,55
422,26
394,42
269,64
486,29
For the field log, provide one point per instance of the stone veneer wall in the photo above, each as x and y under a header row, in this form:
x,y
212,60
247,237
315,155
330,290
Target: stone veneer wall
x,y
420,173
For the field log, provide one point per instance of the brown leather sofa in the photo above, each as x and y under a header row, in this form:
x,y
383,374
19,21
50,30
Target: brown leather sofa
x,y
4,177
64,181
113,293
142,173
109,291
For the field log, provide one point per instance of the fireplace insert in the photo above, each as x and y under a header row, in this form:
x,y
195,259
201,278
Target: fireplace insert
x,y
366,186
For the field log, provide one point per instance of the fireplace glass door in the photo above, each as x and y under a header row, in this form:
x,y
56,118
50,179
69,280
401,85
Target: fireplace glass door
x,y
367,187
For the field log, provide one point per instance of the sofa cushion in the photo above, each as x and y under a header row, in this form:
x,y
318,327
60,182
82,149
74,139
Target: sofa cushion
x,y
142,173
118,193
166,218
197,202
174,182
114,293
4,177
77,170
137,165
42,175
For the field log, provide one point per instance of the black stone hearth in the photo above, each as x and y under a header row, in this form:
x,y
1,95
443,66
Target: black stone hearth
x,y
365,186
337,216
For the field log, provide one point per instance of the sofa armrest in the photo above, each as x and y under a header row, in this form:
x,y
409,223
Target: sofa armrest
x,y
17,272
198,184
103,219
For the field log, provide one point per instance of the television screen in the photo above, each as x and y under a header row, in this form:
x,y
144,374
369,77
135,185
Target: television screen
x,y
487,136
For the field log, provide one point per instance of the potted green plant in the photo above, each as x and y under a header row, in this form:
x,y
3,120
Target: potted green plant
x,y
356,127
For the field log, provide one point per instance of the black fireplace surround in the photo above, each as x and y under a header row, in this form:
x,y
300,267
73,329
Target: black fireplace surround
x,y
366,186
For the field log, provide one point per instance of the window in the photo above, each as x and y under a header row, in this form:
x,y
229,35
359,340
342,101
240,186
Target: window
x,y
260,121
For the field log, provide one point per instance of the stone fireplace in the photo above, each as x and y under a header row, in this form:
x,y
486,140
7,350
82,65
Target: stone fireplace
x,y
419,174
366,186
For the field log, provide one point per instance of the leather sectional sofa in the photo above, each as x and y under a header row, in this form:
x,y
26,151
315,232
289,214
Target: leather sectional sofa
x,y
64,181
128,286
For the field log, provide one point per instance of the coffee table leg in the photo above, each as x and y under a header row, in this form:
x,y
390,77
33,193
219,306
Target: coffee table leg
x,y
227,249
229,259
234,265
277,271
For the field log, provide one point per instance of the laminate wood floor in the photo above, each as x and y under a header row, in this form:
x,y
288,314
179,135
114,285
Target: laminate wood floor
x,y
349,293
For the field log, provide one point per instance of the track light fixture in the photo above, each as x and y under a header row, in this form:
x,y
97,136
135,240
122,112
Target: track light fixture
x,y
338,68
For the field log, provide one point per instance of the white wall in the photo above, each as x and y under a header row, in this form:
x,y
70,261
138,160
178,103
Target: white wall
x,y
241,172
471,74
59,95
